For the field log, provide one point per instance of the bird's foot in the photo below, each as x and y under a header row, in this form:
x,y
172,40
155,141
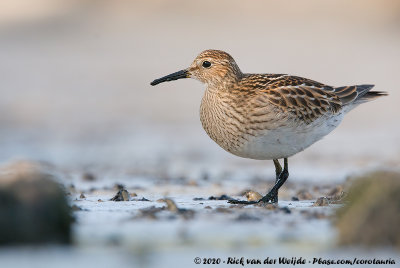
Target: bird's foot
x,y
270,198
241,202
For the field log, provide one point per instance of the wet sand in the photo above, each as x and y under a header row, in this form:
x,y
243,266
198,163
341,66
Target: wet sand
x,y
76,95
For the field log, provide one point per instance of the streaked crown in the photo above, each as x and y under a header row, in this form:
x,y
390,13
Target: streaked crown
x,y
215,67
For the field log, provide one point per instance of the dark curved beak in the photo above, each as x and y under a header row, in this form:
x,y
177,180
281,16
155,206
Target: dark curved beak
x,y
174,76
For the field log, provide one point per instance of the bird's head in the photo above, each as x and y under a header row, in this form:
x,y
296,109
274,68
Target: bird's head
x,y
212,67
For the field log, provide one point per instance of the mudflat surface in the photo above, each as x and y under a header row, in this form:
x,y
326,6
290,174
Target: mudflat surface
x,y
171,221
76,97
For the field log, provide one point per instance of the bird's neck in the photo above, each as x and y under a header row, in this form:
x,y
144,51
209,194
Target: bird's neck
x,y
224,84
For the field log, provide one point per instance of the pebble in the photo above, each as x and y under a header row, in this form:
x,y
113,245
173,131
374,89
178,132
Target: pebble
x,y
321,202
253,196
222,197
122,195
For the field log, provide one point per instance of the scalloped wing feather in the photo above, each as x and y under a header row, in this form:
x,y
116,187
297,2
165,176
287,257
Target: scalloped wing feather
x,y
306,99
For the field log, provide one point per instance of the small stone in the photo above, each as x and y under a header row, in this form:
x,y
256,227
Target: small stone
x,y
295,198
222,197
285,210
82,196
253,196
122,195
99,200
171,206
198,199
321,202
208,207
133,194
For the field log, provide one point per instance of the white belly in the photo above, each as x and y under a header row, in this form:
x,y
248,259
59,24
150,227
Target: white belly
x,y
285,142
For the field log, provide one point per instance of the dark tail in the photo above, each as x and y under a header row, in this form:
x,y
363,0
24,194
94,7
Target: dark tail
x,y
371,96
358,94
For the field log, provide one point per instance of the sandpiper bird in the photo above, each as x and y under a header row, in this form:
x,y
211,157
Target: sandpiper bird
x,y
267,116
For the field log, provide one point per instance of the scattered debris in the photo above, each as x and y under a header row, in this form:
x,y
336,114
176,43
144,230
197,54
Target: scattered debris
x,y
253,196
122,195
152,211
171,206
321,202
285,210
222,197
143,199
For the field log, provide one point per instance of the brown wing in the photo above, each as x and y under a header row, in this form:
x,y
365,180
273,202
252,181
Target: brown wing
x,y
305,98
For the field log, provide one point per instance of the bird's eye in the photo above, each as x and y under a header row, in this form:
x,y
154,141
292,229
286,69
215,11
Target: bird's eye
x,y
206,64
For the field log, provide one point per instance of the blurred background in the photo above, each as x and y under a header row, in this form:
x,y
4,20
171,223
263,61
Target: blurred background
x,y
75,92
75,78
